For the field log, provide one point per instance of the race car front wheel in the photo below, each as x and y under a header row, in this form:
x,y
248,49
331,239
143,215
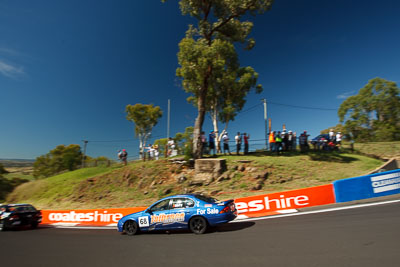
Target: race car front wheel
x,y
131,227
198,225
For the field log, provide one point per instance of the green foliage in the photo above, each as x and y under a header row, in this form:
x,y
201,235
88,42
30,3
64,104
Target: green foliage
x,y
145,117
338,128
184,140
2,170
5,187
101,160
161,143
8,185
60,159
209,65
374,113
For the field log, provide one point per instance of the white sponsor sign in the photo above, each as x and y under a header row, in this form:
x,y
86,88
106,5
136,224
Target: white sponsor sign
x,y
385,182
96,216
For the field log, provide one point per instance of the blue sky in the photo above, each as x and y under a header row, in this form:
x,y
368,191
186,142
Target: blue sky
x,y
69,68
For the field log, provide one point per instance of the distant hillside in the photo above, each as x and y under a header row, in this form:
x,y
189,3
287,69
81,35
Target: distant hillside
x,y
17,162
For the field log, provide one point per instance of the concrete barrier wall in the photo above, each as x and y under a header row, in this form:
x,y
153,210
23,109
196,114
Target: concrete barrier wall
x,y
368,186
390,165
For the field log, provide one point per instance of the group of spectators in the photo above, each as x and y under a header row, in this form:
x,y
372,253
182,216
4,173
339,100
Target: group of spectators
x,y
283,141
279,141
209,146
330,142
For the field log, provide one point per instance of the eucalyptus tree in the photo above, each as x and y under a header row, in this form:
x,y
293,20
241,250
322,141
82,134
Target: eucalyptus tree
x,y
228,97
207,53
374,113
145,117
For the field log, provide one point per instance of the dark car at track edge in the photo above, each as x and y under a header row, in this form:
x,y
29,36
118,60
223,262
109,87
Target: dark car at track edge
x,y
17,215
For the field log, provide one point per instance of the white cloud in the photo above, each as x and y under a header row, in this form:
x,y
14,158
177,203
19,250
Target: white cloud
x,y
345,95
10,70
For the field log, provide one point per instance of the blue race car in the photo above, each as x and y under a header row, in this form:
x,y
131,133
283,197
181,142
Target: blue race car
x,y
192,211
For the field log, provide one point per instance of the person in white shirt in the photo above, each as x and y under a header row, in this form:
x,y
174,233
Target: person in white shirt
x,y
238,141
225,140
331,135
339,138
171,146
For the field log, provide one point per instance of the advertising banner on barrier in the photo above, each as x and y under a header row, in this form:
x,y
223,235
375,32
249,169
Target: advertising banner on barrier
x,y
368,186
99,217
278,202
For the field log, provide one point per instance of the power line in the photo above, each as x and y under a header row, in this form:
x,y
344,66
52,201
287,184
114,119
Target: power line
x,y
303,107
121,140
249,109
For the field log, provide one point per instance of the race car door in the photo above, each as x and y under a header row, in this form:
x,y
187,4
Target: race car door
x,y
180,212
158,216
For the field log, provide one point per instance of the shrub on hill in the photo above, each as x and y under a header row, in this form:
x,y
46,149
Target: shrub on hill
x,y
62,158
2,170
7,186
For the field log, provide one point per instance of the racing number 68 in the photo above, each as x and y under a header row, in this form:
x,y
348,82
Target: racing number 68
x,y
143,220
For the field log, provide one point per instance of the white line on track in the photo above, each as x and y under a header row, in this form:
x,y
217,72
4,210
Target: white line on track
x,y
88,227
318,211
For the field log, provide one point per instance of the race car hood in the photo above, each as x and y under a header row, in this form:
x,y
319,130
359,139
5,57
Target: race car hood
x,y
132,215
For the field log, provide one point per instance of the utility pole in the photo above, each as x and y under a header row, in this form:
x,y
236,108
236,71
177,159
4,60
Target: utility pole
x,y
266,123
168,119
84,152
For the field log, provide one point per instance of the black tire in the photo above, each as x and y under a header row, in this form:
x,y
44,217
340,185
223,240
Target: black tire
x,y
131,227
198,225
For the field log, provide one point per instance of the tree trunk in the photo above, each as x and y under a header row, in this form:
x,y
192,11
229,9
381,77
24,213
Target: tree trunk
x,y
216,131
141,146
201,107
197,144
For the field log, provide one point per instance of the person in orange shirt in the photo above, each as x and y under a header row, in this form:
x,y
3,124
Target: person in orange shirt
x,y
272,141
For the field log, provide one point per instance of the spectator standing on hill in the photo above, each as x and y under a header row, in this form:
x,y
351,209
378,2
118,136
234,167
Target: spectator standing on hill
x,y
294,144
272,141
303,140
246,143
278,142
285,141
225,139
339,138
331,135
171,146
238,141
211,142
156,152
290,141
124,156
203,143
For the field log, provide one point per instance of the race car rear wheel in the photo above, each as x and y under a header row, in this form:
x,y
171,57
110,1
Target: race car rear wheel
x,y
2,227
131,227
198,225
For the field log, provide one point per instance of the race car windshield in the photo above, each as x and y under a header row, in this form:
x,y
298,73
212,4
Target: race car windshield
x,y
206,198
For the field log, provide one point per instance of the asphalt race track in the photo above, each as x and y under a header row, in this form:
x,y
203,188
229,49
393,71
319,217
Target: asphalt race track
x,y
367,236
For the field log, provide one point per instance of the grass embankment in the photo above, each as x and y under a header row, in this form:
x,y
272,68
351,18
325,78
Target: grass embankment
x,y
385,150
141,183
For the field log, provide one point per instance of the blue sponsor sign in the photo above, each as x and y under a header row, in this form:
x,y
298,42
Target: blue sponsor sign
x,y
368,186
